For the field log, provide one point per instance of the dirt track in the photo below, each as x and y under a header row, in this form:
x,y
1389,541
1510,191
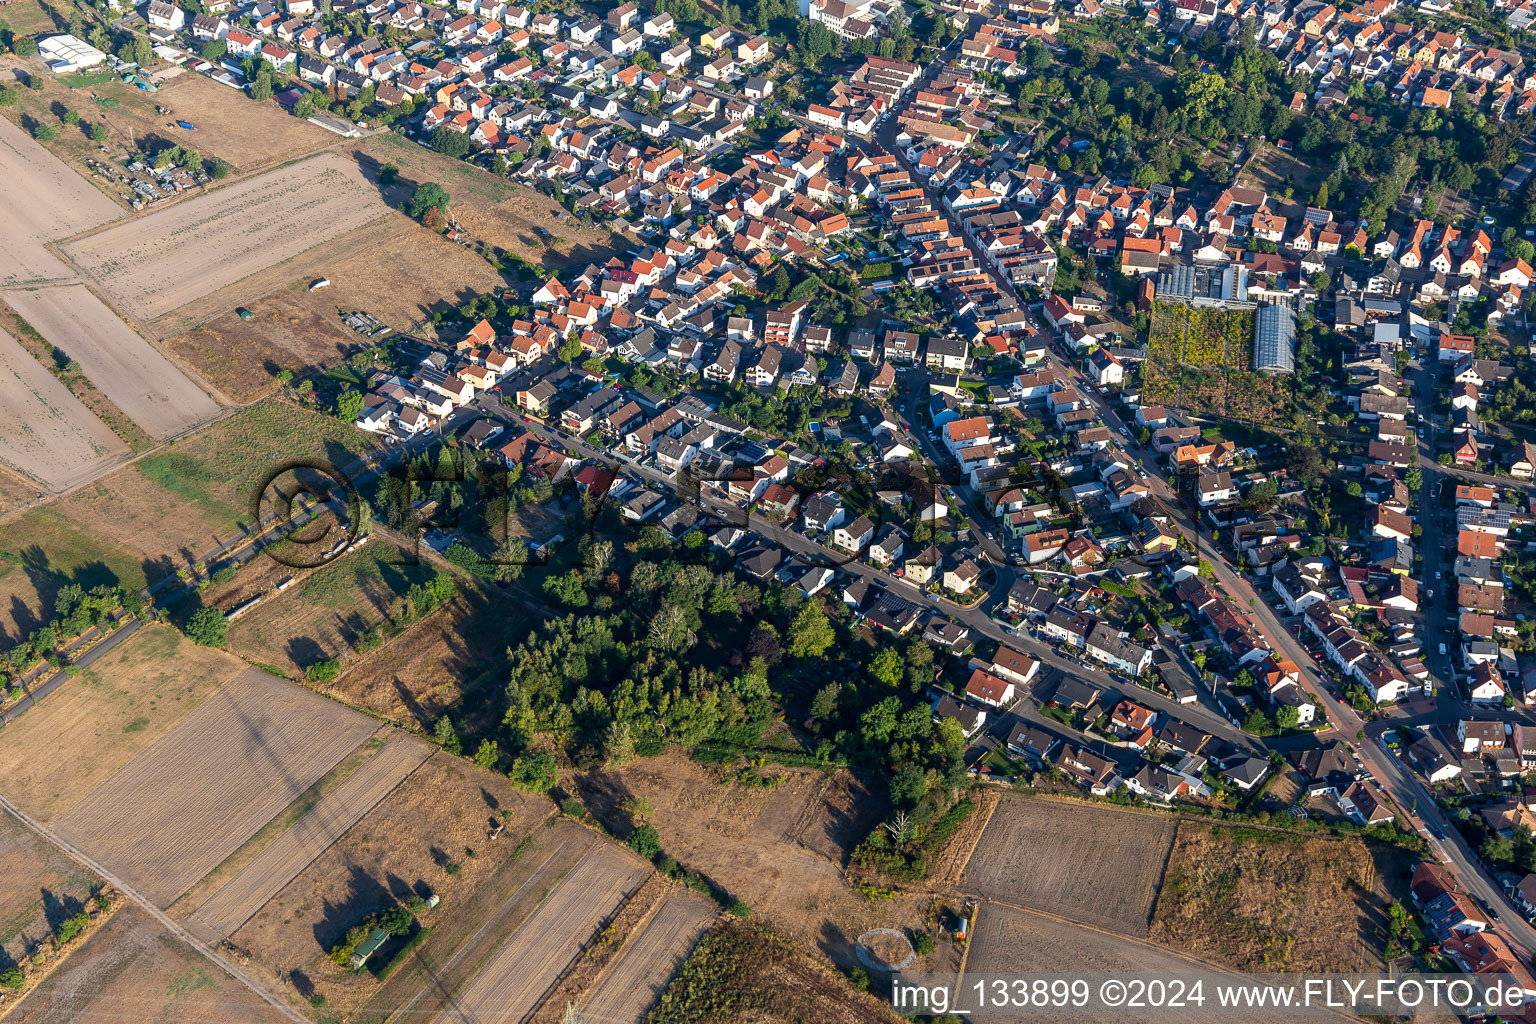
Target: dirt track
x,y
648,960
138,379
511,984
156,263
294,850
177,810
46,432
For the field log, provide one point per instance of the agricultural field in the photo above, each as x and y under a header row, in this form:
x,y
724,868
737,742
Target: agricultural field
x,y
1007,940
43,200
648,960
513,982
48,434
495,210
1091,863
440,815
133,969
142,522
138,379
326,821
392,268
781,848
1258,900
39,888
215,778
329,609
158,262
1201,359
99,721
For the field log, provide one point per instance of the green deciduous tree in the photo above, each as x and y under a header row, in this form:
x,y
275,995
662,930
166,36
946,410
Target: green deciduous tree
x,y
810,633
449,142
428,196
208,628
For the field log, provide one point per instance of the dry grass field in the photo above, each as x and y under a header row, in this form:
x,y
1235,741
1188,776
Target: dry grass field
x,y
411,680
16,491
329,609
47,433
233,127
138,379
643,968
293,851
179,809
142,522
43,200
440,813
82,733
134,970
39,887
1092,863
748,972
392,268
166,259
497,210
1257,900
782,850
512,983
230,126
27,17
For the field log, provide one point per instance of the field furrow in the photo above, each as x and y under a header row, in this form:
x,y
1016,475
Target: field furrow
x,y
294,850
156,263
179,809
648,960
127,369
45,431
1100,865
511,984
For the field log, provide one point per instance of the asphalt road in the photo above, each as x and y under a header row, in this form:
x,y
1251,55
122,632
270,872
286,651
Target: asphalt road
x,y
56,680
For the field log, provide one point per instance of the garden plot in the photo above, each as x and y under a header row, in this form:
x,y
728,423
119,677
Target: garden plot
x,y
154,264
176,811
293,851
645,965
510,986
42,200
46,432
1100,865
137,378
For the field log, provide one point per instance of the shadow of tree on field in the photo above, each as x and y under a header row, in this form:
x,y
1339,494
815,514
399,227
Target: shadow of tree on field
x,y
59,907
364,895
